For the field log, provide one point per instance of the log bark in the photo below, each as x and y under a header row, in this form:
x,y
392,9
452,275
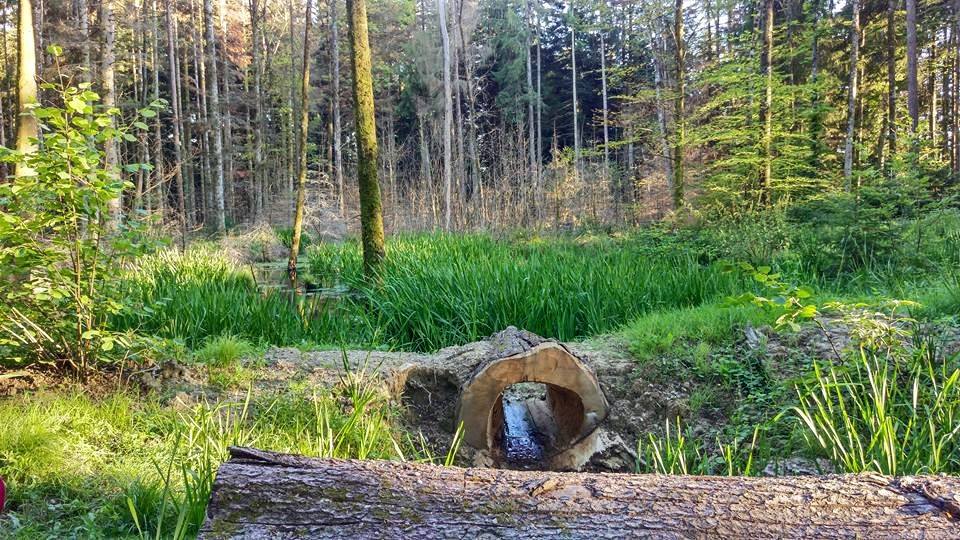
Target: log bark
x,y
260,494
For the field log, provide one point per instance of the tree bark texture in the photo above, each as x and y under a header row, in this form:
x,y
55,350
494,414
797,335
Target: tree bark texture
x,y
335,102
107,75
260,494
447,116
678,103
766,106
216,118
177,122
27,129
304,127
371,213
852,84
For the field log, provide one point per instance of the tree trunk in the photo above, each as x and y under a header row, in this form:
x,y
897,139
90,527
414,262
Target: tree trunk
x,y
766,106
532,143
891,118
816,118
913,97
539,177
335,101
932,90
302,147
229,168
27,129
371,214
216,119
259,494
111,156
852,84
678,104
258,126
447,115
475,169
573,79
661,109
158,165
955,97
174,77
606,127
84,16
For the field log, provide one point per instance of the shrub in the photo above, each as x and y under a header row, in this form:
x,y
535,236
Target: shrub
x,y
61,254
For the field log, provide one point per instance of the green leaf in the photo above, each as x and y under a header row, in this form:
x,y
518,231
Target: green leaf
x,y
77,104
148,113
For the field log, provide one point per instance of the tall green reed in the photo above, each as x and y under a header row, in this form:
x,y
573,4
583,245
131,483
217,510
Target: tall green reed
x,y
893,411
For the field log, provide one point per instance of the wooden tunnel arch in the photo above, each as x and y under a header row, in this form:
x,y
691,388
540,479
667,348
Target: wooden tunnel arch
x,y
573,392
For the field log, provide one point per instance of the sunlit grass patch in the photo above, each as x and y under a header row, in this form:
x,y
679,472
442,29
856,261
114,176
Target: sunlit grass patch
x,y
681,331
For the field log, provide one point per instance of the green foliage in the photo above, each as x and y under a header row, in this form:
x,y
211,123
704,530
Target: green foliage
x,y
285,236
221,351
199,294
885,408
663,332
676,452
124,466
60,257
790,302
438,290
729,128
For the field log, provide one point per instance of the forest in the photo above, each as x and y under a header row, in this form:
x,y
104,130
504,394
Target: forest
x,y
732,228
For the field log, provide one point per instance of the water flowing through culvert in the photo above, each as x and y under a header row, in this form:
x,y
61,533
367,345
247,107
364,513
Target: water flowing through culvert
x,y
524,444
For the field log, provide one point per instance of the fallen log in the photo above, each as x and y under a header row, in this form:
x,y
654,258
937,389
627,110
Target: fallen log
x,y
260,494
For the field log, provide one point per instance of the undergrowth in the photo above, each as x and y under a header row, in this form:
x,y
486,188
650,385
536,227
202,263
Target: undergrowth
x,y
125,466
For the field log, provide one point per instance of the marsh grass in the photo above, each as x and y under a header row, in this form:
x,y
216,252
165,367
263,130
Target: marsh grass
x,y
436,290
433,291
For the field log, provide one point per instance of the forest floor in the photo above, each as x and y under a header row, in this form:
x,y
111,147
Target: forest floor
x,y
699,384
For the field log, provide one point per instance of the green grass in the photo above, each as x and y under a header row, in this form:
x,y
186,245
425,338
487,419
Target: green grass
x,y
78,466
434,291
676,331
885,409
437,290
223,351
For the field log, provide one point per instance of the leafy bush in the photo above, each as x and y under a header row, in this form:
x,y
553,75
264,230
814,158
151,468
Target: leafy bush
x,y
61,254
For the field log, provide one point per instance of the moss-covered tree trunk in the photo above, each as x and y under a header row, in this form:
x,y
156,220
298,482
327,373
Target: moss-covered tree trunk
x,y
371,214
302,145
27,84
